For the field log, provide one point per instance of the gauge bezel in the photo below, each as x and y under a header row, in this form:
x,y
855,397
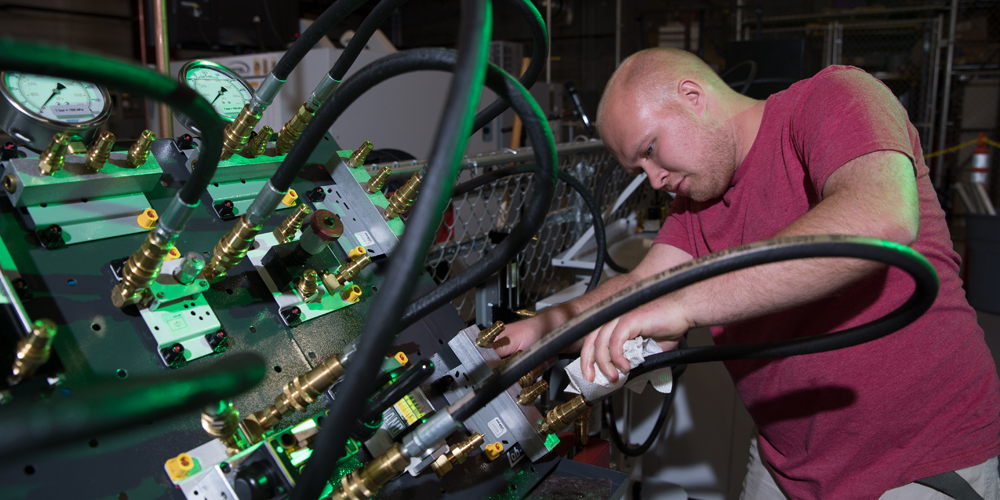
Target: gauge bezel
x,y
204,63
37,130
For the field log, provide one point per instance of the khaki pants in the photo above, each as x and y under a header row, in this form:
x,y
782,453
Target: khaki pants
x,y
759,483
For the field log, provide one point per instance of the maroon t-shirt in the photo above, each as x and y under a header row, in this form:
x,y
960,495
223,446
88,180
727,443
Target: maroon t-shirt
x,y
855,422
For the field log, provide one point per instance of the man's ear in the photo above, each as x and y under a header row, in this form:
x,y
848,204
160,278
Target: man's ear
x,y
691,95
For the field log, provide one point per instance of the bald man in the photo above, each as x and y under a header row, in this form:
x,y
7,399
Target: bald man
x,y
832,154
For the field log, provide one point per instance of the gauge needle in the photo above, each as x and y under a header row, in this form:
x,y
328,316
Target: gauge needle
x,y
221,91
55,92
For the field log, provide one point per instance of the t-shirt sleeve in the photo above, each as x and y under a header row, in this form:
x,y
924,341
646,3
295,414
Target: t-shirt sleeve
x,y
846,114
675,231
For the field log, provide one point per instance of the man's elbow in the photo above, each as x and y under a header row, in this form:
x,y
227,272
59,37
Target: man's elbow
x,y
903,231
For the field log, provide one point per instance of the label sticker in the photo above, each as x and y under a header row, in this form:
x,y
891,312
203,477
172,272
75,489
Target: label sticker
x,y
497,427
364,238
515,454
176,323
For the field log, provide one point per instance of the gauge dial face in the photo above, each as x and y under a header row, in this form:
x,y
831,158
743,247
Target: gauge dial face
x,y
57,99
227,94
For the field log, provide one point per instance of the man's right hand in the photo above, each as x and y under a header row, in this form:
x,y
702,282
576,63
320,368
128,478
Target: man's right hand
x,y
519,336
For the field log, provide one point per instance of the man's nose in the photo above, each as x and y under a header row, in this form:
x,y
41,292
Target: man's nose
x,y
657,177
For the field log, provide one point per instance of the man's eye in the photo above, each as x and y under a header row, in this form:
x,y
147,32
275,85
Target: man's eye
x,y
649,150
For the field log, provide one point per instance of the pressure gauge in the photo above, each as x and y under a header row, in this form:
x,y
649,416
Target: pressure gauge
x,y
227,91
36,107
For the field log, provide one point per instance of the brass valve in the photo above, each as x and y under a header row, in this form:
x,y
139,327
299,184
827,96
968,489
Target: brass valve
x,y
458,453
220,420
140,270
231,249
286,230
365,481
307,285
139,152
298,394
582,428
358,157
32,351
237,133
51,160
291,131
99,152
400,201
530,394
564,415
347,272
258,145
375,184
487,336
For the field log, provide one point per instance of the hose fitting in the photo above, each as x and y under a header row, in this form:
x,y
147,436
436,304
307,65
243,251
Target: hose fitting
x,y
400,201
347,272
375,184
564,415
286,230
139,152
32,351
358,157
99,152
365,481
487,336
237,133
51,160
140,270
291,131
220,420
231,249
258,145
457,455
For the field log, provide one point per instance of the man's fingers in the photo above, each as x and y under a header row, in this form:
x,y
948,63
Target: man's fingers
x,y
621,334
602,350
504,346
587,357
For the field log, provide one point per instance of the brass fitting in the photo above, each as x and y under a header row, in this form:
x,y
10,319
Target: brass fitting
x,y
530,394
375,184
298,394
528,379
286,230
258,145
458,453
51,160
10,183
582,429
506,360
365,481
32,351
291,131
347,272
139,152
220,420
140,270
99,152
237,133
358,157
307,284
564,415
400,201
487,336
231,249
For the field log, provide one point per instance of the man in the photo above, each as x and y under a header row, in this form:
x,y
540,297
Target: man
x,y
832,154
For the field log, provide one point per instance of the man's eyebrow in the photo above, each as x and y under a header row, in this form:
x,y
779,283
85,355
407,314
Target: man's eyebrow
x,y
637,149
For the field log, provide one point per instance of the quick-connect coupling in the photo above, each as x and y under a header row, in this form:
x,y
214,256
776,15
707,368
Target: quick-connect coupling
x,y
32,351
286,230
51,160
99,152
487,336
298,394
401,200
264,204
174,219
375,184
359,156
237,133
293,129
456,455
529,394
441,425
365,481
323,92
347,272
564,415
139,152
265,93
231,249
258,144
141,269
220,420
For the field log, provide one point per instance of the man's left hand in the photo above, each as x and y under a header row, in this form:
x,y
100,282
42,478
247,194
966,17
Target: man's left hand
x,y
663,320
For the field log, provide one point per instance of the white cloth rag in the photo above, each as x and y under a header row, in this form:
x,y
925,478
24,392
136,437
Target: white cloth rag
x,y
635,351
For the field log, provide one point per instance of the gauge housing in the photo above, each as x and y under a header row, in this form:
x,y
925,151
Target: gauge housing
x,y
34,130
233,78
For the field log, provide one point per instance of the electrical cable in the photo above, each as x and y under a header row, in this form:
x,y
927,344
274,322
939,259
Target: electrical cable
x,y
709,266
110,404
364,32
312,35
750,78
595,211
132,79
406,261
599,198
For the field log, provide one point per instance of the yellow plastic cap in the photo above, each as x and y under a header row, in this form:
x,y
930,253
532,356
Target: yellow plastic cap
x,y
494,450
357,252
173,254
147,219
401,357
180,466
290,197
351,294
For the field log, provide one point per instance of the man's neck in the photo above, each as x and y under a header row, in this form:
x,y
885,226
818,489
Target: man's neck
x,y
746,123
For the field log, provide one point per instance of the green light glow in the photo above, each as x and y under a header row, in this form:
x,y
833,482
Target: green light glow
x,y
299,456
551,441
304,426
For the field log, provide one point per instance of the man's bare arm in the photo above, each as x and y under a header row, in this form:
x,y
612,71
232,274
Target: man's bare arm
x,y
874,195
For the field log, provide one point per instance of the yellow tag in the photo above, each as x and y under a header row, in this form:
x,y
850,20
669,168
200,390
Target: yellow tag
x,y
401,357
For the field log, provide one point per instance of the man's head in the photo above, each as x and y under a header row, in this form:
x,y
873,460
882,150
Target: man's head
x,y
665,112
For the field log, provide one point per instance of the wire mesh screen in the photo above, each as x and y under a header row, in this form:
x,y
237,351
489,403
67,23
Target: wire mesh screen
x,y
475,220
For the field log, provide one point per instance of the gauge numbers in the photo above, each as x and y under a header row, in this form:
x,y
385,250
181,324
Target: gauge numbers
x,y
226,94
58,99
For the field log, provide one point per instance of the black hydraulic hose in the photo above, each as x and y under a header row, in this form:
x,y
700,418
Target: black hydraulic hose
x,y
368,27
749,79
709,266
110,404
405,384
133,79
599,198
595,211
539,55
312,35
406,261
